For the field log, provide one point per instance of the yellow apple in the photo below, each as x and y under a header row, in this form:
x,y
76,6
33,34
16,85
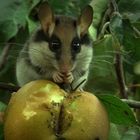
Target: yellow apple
x,y
41,110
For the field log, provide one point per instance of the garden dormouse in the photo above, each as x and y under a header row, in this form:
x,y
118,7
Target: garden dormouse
x,y
59,50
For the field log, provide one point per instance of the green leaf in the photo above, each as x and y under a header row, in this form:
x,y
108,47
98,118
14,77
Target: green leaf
x,y
130,9
99,8
2,107
123,32
131,47
114,133
132,134
14,15
68,7
31,25
102,75
116,27
119,112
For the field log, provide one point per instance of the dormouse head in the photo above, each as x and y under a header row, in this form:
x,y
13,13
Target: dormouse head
x,y
65,35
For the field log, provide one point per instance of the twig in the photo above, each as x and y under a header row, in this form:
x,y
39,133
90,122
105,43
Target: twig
x,y
120,75
4,56
136,31
102,32
134,86
118,58
103,21
132,103
8,87
114,5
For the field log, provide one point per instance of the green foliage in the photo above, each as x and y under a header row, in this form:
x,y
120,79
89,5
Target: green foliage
x,y
2,107
102,75
114,133
116,27
14,15
119,112
68,7
132,134
122,29
130,10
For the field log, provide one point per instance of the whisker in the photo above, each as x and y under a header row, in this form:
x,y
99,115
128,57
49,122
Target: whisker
x,y
98,62
103,56
122,52
42,52
126,60
104,61
125,56
100,68
12,43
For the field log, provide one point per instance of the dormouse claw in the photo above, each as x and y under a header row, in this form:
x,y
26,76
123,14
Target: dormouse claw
x,y
68,78
57,77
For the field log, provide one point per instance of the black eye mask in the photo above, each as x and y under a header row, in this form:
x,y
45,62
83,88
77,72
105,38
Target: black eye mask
x,y
76,45
55,44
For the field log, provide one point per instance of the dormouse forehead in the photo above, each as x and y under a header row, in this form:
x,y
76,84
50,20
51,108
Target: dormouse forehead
x,y
65,28
64,20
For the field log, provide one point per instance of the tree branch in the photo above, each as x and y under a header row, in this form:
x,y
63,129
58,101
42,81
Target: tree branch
x,y
103,30
132,103
136,31
9,87
103,21
120,75
114,5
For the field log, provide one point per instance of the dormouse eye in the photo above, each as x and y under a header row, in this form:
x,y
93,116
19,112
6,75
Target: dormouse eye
x,y
76,45
55,44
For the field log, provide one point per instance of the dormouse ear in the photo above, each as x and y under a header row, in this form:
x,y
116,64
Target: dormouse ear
x,y
85,20
46,18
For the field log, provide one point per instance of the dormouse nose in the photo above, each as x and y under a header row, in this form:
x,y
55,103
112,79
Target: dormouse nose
x,y
65,68
66,64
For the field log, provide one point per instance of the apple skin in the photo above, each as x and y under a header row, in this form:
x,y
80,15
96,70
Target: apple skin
x,y
90,119
40,110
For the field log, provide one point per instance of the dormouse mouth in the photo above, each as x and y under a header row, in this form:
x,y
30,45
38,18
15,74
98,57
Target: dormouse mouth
x,y
61,68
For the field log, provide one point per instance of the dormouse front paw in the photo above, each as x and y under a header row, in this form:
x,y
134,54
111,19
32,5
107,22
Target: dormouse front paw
x,y
57,77
68,78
